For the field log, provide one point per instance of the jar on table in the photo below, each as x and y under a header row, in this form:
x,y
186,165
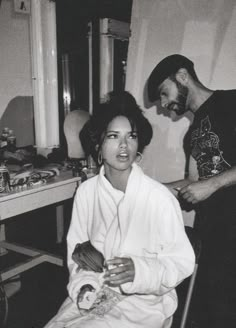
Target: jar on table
x,y
11,141
3,137
4,179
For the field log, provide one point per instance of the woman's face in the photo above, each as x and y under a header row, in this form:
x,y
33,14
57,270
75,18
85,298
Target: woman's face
x,y
120,145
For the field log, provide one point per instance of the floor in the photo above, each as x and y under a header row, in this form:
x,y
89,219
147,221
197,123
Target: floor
x,y
42,291
43,288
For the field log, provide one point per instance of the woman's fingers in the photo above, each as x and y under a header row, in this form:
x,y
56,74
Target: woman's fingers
x,y
120,271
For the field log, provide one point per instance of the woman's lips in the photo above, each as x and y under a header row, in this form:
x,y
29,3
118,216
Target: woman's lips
x,y
123,156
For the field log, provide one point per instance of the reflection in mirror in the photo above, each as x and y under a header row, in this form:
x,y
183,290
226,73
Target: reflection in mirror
x,y
120,63
114,38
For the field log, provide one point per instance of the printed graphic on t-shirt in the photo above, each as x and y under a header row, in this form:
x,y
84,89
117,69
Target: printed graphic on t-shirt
x,y
206,151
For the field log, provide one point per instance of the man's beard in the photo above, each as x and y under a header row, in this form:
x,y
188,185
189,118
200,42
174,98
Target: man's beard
x,y
181,99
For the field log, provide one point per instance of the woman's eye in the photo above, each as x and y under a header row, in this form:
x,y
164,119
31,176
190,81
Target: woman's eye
x,y
133,136
111,135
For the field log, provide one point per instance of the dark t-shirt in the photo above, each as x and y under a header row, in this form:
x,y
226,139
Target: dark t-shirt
x,y
213,134
213,145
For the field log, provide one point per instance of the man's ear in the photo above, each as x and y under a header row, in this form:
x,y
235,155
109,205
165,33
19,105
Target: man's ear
x,y
182,76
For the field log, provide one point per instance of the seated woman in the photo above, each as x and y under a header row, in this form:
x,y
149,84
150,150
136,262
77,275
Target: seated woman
x,y
131,221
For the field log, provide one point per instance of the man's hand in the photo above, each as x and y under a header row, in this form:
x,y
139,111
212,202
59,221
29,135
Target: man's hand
x,y
120,270
197,191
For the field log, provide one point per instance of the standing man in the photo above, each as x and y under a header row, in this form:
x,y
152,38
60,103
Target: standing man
x,y
211,183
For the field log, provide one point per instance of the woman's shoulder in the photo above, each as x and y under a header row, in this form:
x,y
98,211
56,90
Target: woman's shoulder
x,y
149,182
160,197
87,185
157,187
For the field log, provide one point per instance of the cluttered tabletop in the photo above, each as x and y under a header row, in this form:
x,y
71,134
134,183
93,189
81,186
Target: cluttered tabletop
x,y
22,169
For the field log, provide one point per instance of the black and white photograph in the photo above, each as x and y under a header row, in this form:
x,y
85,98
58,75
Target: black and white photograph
x,y
117,164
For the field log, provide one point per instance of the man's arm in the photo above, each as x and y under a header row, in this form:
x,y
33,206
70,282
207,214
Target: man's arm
x,y
176,186
194,191
198,191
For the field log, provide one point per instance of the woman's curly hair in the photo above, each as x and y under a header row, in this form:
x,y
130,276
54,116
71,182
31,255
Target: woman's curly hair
x,y
117,104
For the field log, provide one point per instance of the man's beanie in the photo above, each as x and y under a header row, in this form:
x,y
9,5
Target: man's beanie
x,y
169,65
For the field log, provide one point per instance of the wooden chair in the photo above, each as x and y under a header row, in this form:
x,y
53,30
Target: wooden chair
x,y
3,306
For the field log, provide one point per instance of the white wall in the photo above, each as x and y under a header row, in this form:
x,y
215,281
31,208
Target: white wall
x,y
28,74
203,30
15,60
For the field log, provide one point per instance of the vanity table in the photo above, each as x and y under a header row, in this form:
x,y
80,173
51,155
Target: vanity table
x,y
55,191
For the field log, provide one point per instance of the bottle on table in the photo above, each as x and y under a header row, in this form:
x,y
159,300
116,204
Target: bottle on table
x,y
11,141
4,179
3,137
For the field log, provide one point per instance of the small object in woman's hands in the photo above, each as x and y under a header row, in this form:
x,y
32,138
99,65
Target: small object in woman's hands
x,y
88,299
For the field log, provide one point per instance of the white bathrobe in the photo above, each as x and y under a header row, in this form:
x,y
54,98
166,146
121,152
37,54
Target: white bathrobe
x,y
144,223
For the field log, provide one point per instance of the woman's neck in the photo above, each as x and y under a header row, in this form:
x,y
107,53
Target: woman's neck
x,y
118,179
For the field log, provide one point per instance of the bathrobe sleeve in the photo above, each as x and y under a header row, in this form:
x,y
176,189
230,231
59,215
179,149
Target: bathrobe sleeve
x,y
170,259
78,233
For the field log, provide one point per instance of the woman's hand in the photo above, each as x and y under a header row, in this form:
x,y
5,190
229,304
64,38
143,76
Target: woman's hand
x,y
119,271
